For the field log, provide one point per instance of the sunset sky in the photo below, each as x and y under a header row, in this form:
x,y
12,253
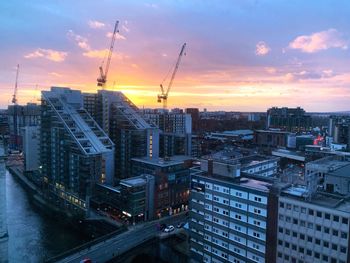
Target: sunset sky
x,y
241,55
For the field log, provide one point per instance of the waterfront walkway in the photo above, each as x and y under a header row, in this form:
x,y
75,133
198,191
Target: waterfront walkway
x,y
116,245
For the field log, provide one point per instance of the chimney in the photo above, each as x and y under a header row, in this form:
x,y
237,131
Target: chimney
x,y
210,167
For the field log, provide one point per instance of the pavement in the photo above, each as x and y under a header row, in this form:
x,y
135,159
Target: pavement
x,y
117,245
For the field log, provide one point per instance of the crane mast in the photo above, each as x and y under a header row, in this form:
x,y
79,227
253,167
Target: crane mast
x,y
102,79
14,101
163,96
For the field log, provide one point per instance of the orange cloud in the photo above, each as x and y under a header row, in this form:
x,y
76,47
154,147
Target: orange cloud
x,y
50,54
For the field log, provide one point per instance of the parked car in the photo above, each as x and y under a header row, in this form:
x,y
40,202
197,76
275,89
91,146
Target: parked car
x,y
169,229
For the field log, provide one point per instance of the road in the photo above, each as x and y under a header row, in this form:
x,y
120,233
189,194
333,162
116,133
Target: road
x,y
121,243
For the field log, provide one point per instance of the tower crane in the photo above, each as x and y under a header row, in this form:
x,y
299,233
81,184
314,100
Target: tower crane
x,y
163,96
14,101
102,79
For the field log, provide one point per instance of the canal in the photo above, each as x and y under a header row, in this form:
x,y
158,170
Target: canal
x,y
33,237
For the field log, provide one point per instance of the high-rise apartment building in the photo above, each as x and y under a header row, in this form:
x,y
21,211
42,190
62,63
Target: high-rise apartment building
x,y
75,152
121,120
176,131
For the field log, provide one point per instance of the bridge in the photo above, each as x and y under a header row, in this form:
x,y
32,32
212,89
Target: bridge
x,y
116,244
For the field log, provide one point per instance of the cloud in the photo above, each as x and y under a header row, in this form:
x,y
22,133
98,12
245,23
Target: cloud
x,y
50,54
117,36
262,49
55,74
81,41
318,41
96,24
102,53
155,6
271,70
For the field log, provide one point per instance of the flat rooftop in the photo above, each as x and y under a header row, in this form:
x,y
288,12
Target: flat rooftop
x,y
173,160
344,171
330,162
242,181
133,182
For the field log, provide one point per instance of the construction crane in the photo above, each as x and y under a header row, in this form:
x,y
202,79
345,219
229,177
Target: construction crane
x,y
163,96
102,80
14,101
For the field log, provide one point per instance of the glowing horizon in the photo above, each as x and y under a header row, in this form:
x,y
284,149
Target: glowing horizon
x,y
242,56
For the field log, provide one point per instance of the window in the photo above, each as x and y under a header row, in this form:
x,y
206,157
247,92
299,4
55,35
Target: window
x,y
302,236
318,227
334,246
326,230
287,232
343,235
286,244
301,250
302,223
289,206
344,220
325,244
288,219
327,216
294,247
311,212
257,199
257,235
335,232
280,229
280,242
325,258
295,234
310,225
309,239
281,204
303,210
336,218
295,221
308,252
317,255
319,214
342,249
318,241
296,208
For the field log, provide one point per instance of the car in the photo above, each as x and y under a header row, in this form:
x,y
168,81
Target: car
x,y
169,229
180,225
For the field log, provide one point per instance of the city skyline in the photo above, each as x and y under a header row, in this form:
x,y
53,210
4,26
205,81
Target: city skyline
x,y
246,56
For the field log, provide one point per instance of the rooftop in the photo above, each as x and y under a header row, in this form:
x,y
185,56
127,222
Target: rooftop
x,y
330,163
344,171
162,162
133,181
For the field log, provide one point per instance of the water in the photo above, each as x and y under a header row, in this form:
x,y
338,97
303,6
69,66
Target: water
x,y
33,237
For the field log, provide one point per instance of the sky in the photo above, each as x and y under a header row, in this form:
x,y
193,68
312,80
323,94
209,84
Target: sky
x,y
242,55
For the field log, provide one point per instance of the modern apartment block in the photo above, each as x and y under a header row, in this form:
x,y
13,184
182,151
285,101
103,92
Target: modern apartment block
x,y
232,218
121,120
75,152
312,229
176,131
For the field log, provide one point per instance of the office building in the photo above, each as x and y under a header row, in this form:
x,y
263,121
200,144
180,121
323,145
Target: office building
x,y
194,112
172,182
75,153
232,218
270,138
288,119
132,200
312,228
121,120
